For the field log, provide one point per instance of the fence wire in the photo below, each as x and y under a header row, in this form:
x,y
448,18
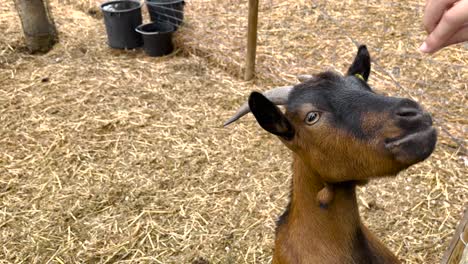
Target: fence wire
x,y
302,37
441,122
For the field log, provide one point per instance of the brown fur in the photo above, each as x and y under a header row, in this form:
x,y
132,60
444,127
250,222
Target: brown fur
x,y
379,123
315,235
342,134
328,150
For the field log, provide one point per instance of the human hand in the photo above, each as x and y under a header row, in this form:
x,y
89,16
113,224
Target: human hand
x,y
446,22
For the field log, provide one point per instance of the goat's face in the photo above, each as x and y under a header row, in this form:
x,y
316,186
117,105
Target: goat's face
x,y
345,131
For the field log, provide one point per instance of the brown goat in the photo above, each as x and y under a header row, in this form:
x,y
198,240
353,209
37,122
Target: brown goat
x,y
341,134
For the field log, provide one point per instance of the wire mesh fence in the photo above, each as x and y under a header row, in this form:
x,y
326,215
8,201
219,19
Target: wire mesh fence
x,y
195,194
301,37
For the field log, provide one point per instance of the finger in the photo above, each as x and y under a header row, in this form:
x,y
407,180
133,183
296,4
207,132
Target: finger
x,y
451,22
458,37
434,11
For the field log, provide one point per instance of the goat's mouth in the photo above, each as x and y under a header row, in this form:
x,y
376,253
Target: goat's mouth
x,y
413,147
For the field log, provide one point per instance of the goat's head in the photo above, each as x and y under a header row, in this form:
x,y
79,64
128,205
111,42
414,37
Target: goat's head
x,y
341,128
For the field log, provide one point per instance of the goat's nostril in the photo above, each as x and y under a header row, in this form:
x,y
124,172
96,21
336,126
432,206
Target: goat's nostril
x,y
408,112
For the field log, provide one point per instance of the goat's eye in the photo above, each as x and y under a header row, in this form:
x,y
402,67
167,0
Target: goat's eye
x,y
312,118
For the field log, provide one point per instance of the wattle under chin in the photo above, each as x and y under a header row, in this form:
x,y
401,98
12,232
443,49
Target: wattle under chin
x,y
414,147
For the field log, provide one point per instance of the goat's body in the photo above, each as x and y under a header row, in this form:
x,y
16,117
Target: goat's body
x,y
363,248
341,133
310,234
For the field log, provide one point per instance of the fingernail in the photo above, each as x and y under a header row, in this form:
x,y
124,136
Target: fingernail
x,y
424,48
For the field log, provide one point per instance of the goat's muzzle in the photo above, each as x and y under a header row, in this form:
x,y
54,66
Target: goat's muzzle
x,y
418,137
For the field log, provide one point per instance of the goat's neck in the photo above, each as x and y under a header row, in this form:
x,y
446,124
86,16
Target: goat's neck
x,y
339,220
312,234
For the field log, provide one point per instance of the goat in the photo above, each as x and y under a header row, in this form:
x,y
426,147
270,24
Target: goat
x,y
341,134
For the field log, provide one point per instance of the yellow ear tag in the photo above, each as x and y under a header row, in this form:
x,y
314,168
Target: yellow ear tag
x,y
359,76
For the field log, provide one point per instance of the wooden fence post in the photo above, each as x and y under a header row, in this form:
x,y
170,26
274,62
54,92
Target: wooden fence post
x,y
457,251
251,40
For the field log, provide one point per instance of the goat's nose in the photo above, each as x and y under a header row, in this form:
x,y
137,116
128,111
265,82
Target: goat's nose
x,y
410,114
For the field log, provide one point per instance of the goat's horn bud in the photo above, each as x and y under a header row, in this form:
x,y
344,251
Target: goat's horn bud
x,y
278,96
304,77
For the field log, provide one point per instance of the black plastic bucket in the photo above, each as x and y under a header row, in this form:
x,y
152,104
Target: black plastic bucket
x,y
157,38
121,18
170,11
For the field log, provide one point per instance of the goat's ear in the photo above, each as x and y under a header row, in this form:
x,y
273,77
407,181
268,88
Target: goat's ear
x,y
361,66
270,117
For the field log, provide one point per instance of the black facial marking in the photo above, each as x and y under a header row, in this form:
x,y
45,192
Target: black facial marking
x,y
346,98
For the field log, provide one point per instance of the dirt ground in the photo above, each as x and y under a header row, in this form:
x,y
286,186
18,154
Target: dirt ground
x,y
111,156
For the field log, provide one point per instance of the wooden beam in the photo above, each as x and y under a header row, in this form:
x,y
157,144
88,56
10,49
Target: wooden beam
x,y
464,259
251,40
455,253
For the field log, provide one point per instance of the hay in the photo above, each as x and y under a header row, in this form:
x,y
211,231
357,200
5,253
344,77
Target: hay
x,y
110,156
